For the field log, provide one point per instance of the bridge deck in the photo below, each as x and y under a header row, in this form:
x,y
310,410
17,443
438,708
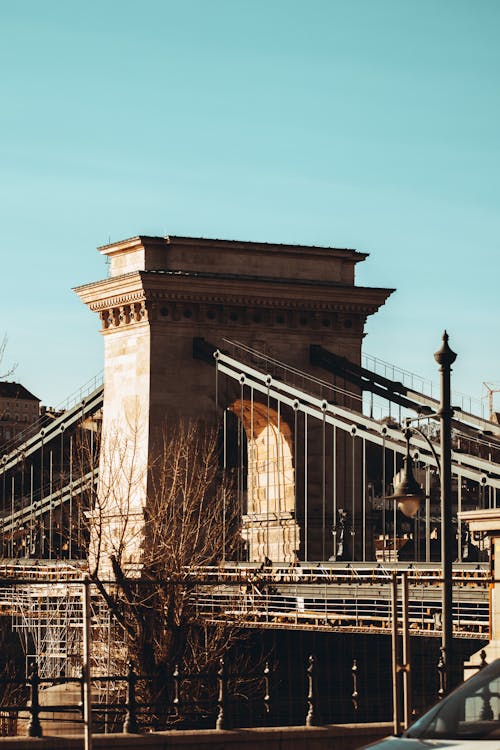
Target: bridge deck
x,y
348,597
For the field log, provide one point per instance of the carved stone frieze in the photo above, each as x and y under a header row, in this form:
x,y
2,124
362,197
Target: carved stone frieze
x,y
123,315
180,300
170,311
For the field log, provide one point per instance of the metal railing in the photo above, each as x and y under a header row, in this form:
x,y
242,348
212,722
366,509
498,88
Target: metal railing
x,y
127,713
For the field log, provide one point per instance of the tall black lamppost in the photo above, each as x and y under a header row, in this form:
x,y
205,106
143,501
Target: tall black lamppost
x,y
445,358
408,493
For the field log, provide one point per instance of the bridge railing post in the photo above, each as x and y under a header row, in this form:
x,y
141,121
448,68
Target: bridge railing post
x,y
34,726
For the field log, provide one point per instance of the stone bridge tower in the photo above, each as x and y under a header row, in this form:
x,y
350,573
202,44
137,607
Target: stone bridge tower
x,y
164,291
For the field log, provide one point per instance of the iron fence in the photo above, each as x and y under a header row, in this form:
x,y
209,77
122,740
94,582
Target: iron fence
x,y
218,706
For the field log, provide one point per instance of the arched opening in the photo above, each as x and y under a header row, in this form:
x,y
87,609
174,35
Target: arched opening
x,y
267,491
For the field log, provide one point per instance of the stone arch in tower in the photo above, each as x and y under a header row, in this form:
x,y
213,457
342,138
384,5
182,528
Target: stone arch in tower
x,y
269,525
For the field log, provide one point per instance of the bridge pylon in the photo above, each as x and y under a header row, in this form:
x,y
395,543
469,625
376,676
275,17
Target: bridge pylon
x,y
278,299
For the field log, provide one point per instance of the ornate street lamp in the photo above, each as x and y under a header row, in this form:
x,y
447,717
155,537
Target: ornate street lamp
x,y
408,494
445,358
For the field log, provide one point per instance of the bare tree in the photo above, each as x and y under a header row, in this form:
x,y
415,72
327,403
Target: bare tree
x,y
8,372
189,520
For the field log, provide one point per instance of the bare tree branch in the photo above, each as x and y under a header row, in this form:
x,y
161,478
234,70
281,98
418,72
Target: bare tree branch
x,y
188,511
10,370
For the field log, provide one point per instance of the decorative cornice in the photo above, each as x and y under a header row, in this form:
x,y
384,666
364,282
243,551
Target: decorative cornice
x,y
139,297
122,299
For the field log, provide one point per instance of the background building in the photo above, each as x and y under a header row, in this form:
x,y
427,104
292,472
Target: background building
x,y
18,409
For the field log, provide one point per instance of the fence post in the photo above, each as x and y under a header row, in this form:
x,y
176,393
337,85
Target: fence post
x,y
81,680
267,693
406,666
34,726
130,723
221,699
355,694
482,655
312,698
396,717
441,668
177,692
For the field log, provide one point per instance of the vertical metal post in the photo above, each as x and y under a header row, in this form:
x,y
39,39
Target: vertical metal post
x,y
177,692
306,504
355,693
279,475
459,529
296,493
70,532
130,724
323,485
34,726
363,442
395,660
428,514
224,450
334,492
267,693
406,667
42,520
23,466
353,499
384,490
51,522
12,503
483,663
221,699
62,539
241,457
216,357
312,698
394,514
32,525
441,668
3,550
268,468
252,458
87,693
445,358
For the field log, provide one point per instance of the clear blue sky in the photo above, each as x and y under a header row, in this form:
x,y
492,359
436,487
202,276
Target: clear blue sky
x,y
371,124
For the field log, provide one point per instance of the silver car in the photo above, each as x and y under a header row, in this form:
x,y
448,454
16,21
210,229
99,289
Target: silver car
x,y
468,718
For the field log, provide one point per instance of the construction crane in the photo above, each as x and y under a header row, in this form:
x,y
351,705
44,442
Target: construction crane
x,y
490,388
